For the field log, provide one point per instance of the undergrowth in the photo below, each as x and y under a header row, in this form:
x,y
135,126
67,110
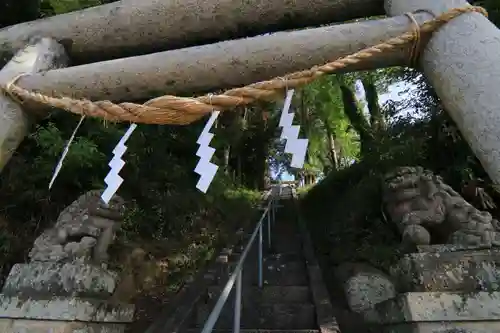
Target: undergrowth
x,y
343,214
166,213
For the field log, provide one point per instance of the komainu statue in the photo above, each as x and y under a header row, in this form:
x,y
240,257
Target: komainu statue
x,y
428,211
83,231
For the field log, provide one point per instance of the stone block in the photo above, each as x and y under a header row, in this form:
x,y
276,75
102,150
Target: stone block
x,y
39,279
451,248
466,270
65,309
437,307
454,327
50,326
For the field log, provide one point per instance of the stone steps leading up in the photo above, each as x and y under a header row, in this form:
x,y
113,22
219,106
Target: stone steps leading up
x,y
286,303
255,331
262,316
268,294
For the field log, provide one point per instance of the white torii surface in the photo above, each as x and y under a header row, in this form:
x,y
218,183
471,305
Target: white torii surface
x,y
462,61
39,55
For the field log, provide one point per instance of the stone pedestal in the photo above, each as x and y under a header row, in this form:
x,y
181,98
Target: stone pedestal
x,y
38,279
62,315
444,289
439,312
449,268
46,297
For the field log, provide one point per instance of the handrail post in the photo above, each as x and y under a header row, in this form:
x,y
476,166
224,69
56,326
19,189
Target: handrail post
x,y
237,304
269,229
273,205
260,256
236,277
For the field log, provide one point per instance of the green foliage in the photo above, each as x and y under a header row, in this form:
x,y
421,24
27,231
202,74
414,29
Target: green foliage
x,y
493,8
349,227
324,99
82,156
159,182
344,210
64,6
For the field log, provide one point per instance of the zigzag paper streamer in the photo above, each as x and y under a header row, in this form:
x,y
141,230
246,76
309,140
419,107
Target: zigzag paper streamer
x,y
205,168
113,180
295,146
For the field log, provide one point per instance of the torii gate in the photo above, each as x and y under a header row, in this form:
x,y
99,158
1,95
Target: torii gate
x,y
460,60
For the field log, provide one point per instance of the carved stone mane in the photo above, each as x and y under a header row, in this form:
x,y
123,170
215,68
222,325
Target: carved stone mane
x,y
426,210
83,231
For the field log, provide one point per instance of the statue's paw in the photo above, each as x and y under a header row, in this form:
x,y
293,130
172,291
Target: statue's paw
x,y
410,219
496,239
416,235
468,239
86,229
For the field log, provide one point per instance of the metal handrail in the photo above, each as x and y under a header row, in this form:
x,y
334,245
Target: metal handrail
x,y
238,272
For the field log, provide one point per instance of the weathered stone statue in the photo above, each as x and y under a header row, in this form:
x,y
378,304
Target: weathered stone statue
x,y
427,211
65,287
449,279
83,231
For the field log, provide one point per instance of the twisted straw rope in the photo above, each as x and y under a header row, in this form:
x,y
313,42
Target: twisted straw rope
x,y
181,110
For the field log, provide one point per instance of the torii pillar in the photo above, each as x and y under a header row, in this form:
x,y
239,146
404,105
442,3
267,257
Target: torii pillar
x,y
462,61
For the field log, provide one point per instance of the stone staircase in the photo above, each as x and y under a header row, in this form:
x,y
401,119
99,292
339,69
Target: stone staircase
x,y
287,303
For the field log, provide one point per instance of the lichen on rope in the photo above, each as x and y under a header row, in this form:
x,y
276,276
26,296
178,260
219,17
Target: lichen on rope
x,y
182,110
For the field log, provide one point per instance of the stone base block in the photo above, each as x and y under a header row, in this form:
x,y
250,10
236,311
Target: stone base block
x,y
65,309
38,279
436,312
457,327
441,268
39,326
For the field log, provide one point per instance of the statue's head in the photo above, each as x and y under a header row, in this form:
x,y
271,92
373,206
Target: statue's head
x,y
91,200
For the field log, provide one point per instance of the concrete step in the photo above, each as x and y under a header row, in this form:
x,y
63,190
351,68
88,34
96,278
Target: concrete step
x,y
268,294
266,316
197,330
285,243
274,274
277,258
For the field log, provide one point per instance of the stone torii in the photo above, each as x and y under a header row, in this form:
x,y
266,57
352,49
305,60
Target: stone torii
x,y
459,60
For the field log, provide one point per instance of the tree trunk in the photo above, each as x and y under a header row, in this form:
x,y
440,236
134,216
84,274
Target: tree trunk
x,y
239,168
232,63
131,27
225,161
357,119
40,55
332,153
461,61
377,120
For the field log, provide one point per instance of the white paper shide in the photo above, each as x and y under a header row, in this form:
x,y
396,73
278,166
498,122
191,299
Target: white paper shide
x,y
113,179
205,168
295,146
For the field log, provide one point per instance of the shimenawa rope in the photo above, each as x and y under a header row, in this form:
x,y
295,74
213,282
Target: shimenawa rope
x,y
182,110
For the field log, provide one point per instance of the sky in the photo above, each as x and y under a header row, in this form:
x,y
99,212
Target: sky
x,y
395,93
